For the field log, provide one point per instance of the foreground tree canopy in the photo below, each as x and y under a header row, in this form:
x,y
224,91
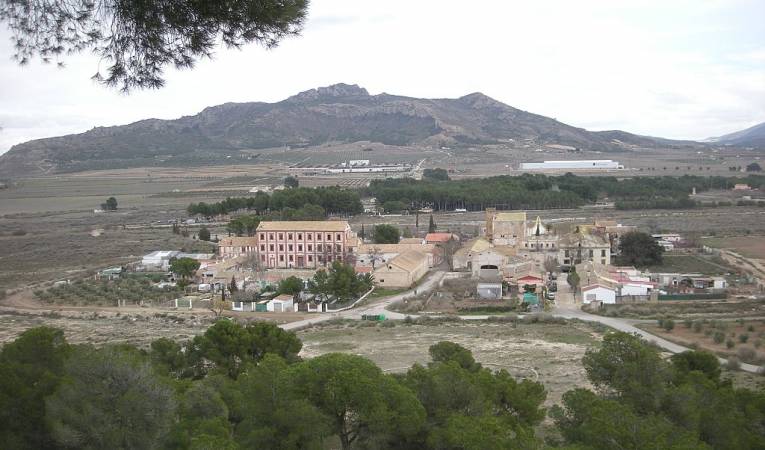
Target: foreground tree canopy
x,y
244,386
137,39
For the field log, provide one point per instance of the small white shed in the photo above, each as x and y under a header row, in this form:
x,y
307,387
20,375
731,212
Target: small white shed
x,y
281,303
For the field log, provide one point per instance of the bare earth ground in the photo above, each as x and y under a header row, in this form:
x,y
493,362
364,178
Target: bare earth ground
x,y
105,328
138,326
552,351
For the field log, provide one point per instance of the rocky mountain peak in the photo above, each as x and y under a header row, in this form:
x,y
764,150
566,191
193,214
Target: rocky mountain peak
x,y
339,90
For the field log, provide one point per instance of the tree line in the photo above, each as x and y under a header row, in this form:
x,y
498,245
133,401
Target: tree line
x,y
291,202
537,191
244,386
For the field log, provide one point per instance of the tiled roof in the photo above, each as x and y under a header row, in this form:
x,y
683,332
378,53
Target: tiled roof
x,y
408,260
238,241
595,286
304,225
439,237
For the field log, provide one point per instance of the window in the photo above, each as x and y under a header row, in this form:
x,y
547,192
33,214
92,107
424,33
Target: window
x,y
271,247
289,236
566,254
310,258
281,236
281,247
329,237
262,247
309,236
318,247
591,254
300,236
271,236
262,236
603,253
338,237
338,247
603,261
237,305
300,247
281,258
321,258
291,258
318,236
310,247
382,281
289,247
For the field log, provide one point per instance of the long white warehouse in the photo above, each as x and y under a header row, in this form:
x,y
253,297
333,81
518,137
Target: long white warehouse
x,y
590,164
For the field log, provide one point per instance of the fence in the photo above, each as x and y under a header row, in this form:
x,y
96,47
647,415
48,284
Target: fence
x,y
711,296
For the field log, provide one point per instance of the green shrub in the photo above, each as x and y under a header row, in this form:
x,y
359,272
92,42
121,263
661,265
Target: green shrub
x,y
697,327
669,324
719,337
743,338
730,343
733,363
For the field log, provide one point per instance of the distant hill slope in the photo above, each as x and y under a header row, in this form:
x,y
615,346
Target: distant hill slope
x,y
338,113
751,137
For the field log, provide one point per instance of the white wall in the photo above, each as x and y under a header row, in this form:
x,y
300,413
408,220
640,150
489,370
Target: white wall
x,y
635,289
607,296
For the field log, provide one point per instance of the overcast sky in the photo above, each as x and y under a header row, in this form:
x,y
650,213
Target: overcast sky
x,y
671,68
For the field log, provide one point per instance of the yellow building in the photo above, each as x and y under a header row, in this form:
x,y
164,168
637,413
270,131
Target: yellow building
x,y
402,271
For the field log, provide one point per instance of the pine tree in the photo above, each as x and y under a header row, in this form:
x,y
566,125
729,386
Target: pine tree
x,y
417,220
362,234
432,225
232,287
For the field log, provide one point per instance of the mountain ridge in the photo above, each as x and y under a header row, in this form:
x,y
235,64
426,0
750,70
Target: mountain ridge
x,y
336,113
753,136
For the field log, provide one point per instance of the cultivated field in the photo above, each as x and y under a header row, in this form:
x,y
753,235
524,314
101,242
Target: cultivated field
x,y
692,263
744,339
693,309
751,246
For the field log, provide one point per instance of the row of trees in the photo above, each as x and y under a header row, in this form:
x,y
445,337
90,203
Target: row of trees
x,y
332,200
244,386
545,192
246,224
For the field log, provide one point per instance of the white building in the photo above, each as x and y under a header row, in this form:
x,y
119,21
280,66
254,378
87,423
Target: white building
x,y
589,164
159,259
599,293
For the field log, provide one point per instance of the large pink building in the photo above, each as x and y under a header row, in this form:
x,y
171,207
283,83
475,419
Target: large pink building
x,y
305,244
